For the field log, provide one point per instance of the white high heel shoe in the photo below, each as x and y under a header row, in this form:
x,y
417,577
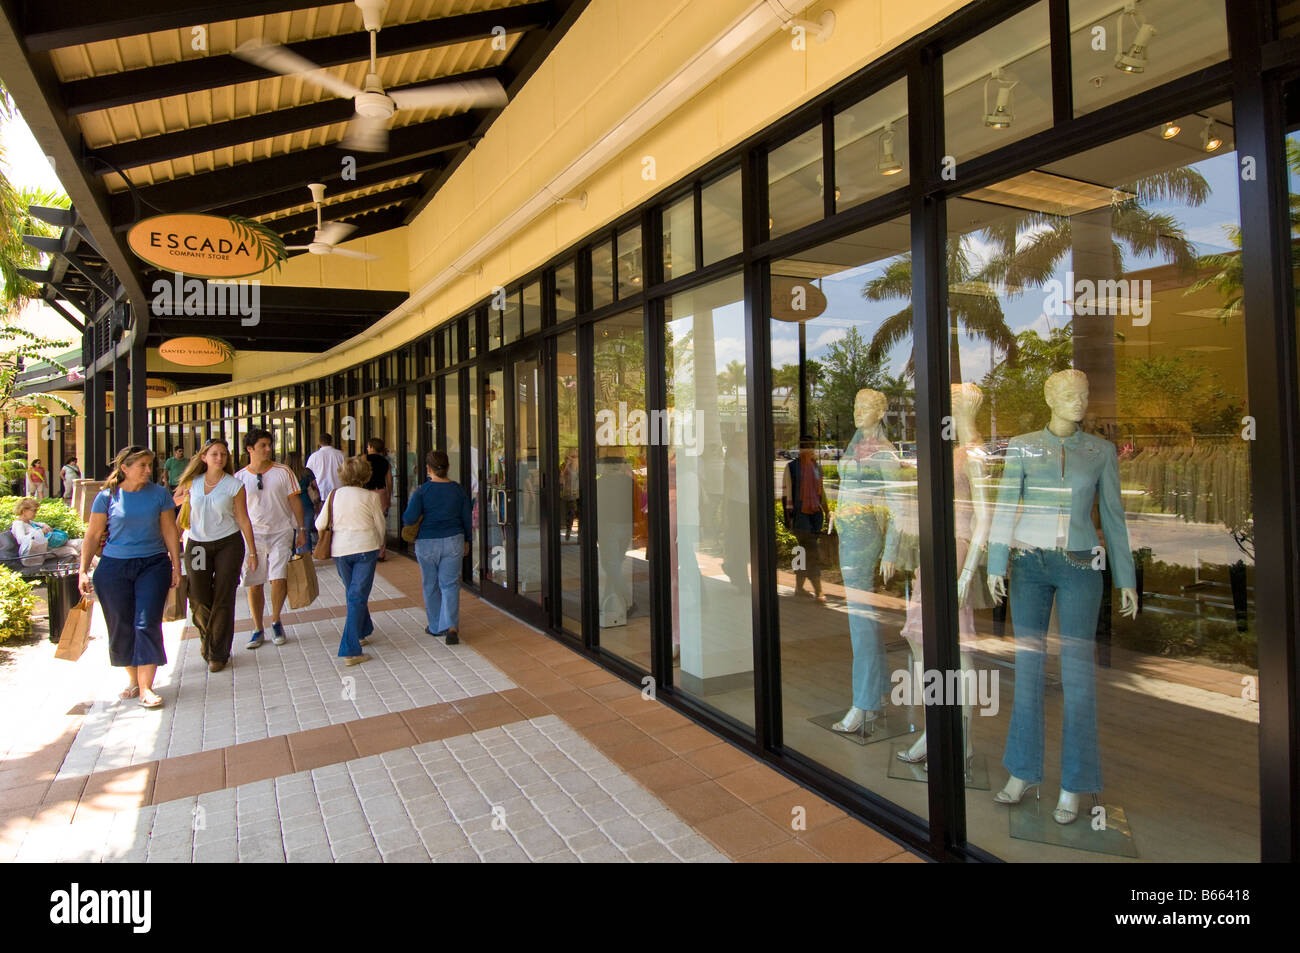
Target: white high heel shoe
x,y
1014,791
855,719
1067,808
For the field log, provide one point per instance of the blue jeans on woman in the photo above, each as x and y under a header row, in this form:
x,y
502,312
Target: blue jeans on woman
x,y
357,570
440,564
859,557
133,593
1039,577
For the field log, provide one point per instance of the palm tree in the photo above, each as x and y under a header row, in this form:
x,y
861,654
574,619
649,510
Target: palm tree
x,y
972,305
1029,248
899,391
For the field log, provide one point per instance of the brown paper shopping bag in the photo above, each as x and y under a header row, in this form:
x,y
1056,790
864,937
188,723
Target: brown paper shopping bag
x,y
76,632
301,575
176,600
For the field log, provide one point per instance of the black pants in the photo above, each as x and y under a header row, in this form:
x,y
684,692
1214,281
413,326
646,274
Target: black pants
x,y
213,569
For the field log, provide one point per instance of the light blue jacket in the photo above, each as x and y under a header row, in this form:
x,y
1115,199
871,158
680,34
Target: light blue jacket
x,y
1045,501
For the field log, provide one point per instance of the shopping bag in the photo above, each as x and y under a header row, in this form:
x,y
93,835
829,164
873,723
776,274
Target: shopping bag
x,y
76,631
303,588
176,600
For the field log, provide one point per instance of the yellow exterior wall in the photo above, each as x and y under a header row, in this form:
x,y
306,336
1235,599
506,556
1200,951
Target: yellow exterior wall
x,y
616,55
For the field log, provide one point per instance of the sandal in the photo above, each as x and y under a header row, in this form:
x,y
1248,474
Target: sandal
x,y
156,703
131,691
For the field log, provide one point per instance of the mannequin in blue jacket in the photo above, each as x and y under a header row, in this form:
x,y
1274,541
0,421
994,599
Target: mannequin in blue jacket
x,y
1042,524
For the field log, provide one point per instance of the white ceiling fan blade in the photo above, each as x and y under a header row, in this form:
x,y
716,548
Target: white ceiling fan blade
x,y
349,253
282,60
366,135
331,233
470,94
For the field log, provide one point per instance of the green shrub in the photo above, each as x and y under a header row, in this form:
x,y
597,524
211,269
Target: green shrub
x,y
16,605
54,512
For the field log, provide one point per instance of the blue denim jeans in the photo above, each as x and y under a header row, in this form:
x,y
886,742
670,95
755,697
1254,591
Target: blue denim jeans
x,y
133,593
859,557
1039,577
440,563
357,571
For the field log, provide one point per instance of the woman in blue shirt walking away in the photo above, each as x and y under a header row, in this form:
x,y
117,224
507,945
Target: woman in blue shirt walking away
x,y
442,510
140,563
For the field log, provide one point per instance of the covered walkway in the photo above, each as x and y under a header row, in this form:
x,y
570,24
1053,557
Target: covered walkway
x,y
506,747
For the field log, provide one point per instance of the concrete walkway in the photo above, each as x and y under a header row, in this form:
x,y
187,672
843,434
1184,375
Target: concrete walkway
x,y
507,747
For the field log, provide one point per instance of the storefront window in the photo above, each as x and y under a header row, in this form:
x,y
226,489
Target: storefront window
x,y
602,275
679,237
566,292
532,305
998,86
871,147
629,262
720,218
795,192
1098,385
846,522
708,495
568,532
512,317
1119,50
475,462
621,498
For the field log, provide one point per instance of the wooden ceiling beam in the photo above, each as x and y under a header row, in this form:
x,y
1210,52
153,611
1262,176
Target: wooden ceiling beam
x,y
214,72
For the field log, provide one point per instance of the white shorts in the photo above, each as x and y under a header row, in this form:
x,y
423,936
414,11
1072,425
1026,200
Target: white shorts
x,y
273,552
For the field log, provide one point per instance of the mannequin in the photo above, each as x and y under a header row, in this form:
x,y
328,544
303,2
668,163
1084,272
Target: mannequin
x,y
1043,527
859,555
972,518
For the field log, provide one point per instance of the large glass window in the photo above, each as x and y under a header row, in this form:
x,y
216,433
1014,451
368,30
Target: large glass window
x,y
708,495
629,262
679,237
532,307
846,521
1099,383
475,457
566,292
621,500
1117,50
998,86
720,218
602,274
871,146
568,529
795,183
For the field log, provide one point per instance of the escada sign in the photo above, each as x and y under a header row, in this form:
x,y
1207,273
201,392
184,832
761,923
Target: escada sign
x,y
206,246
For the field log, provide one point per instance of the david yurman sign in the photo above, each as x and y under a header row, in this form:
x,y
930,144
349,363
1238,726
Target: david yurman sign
x,y
206,246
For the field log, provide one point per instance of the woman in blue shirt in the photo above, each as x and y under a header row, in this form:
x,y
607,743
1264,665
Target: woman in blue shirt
x,y
220,533
140,563
442,510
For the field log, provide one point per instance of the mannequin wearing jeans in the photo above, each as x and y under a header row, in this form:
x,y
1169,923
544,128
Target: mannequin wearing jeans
x,y
1043,516
972,519
859,556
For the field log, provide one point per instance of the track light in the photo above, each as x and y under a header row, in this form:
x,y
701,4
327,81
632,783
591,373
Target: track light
x,y
1169,130
1002,114
1134,59
1210,138
888,163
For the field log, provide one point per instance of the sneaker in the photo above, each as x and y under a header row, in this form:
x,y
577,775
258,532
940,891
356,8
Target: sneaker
x,y
256,640
452,637
277,633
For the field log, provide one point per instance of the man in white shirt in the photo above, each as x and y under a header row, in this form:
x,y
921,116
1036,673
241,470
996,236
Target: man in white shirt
x,y
326,463
275,510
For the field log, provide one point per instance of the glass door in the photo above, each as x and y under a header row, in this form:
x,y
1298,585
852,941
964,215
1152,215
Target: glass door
x,y
512,563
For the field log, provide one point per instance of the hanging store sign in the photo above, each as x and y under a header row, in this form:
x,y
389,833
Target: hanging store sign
x,y
196,351
158,387
795,299
206,246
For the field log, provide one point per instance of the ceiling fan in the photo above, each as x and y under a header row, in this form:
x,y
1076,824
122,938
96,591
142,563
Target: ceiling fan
x,y
368,128
329,234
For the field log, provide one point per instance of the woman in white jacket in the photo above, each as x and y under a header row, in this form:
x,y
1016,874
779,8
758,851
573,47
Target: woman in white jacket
x,y
356,518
